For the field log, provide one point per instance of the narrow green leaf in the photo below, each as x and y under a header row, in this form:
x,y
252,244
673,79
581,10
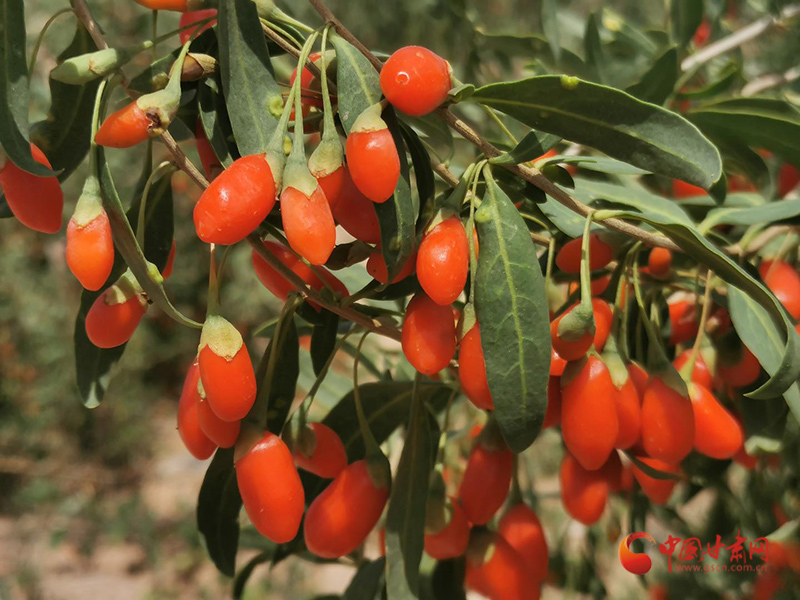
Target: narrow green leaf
x,y
758,332
769,213
533,46
250,89
397,216
14,89
551,28
636,132
437,134
367,582
513,315
722,83
593,48
243,576
447,579
686,16
531,147
218,508
758,122
357,84
323,340
650,471
65,134
215,122
405,518
658,83
421,160
600,164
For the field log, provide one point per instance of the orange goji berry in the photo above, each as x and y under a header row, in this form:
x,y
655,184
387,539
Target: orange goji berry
x,y
443,261
37,202
415,80
429,335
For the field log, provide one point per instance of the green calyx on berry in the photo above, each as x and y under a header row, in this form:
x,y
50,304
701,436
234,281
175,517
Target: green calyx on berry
x,y
327,158
90,203
481,546
369,120
124,288
222,337
468,320
577,323
379,470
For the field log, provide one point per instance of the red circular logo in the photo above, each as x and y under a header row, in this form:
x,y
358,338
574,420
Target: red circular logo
x,y
635,562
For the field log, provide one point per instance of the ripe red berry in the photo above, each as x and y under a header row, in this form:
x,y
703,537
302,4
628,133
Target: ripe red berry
x,y
115,314
568,258
584,493
223,433
657,490
236,201
744,373
472,370
557,364
681,189
196,442
279,285
90,247
372,157
570,350
552,416
175,5
717,433
376,267
639,377
310,88
521,528
340,518
356,214
192,17
667,422
683,321
319,450
37,202
443,261
429,335
701,374
308,224
788,178
659,262
332,184
702,33
271,490
127,127
167,272
486,481
225,370
496,570
452,539
629,414
589,421
782,279
415,80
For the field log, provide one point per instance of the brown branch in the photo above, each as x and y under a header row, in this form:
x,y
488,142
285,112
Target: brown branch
x,y
529,174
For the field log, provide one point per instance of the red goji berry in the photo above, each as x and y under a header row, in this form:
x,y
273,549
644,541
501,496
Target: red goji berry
x,y
744,373
496,570
376,267
584,493
443,261
717,433
657,490
223,433
659,262
308,224
372,157
568,258
319,450
415,80
192,17
452,539
90,247
37,202
521,528
193,437
701,373
486,481
356,214
115,314
667,422
472,370
782,279
429,335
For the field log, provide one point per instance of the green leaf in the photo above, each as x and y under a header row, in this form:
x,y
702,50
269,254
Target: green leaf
x,y
397,216
686,16
437,133
65,134
658,83
93,365
722,83
243,576
594,49
513,315
251,93
447,579
14,89
566,220
636,132
274,397
357,83
218,508
757,122
600,164
550,27
215,121
323,340
405,518
367,582
769,213
650,471
421,160
532,46
531,147
758,332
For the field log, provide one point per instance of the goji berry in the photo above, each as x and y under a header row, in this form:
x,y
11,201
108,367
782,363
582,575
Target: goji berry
x,y
223,433
496,570
192,17
319,450
225,370
443,261
629,414
681,189
472,370
639,377
683,321
452,539
193,437
208,158
340,518
429,335
659,262
574,349
744,373
667,422
356,214
174,5
372,157
568,258
657,490
271,490
552,415
90,247
584,493
134,123
486,481
376,267
717,433
782,279
589,422
167,272
788,178
115,314
557,364
308,224
415,80
521,528
37,202
236,202
701,373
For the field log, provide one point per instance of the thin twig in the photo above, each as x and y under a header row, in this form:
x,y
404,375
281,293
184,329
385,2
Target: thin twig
x,y
529,174
740,37
771,81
